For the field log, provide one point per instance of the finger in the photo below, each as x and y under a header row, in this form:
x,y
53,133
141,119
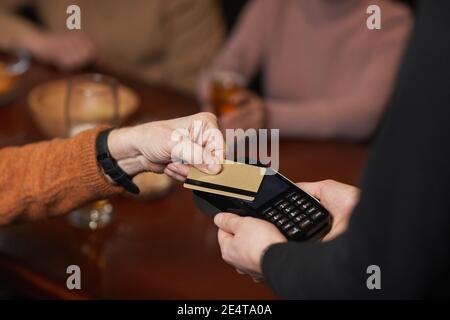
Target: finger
x,y
69,61
313,188
214,147
89,45
257,279
72,51
224,239
228,222
155,167
192,153
223,236
143,164
169,172
179,168
335,231
61,56
84,55
241,97
79,54
240,271
86,47
210,168
177,177
79,58
174,175
92,52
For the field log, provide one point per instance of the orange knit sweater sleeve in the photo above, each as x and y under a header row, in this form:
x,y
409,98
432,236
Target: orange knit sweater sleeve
x,y
50,178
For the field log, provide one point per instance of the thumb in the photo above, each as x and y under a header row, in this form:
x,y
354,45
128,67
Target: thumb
x,y
228,222
313,188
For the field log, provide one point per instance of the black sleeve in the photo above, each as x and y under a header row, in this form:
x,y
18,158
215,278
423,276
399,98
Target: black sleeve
x,y
402,222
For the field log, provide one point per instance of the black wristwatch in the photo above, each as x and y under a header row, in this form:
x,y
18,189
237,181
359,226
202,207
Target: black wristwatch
x,y
109,164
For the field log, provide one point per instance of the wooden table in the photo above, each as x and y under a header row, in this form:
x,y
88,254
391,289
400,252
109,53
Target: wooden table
x,y
159,249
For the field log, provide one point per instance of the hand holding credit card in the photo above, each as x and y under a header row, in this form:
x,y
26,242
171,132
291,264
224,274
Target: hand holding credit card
x,y
236,180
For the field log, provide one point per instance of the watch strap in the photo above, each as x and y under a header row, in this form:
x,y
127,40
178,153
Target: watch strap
x,y
109,164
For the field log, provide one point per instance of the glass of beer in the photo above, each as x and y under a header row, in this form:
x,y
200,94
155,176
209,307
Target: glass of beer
x,y
92,99
6,79
224,85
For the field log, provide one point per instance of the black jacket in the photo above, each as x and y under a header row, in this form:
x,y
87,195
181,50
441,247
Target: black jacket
x,y
402,223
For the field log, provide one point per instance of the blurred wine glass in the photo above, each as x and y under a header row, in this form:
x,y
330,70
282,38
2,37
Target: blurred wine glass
x,y
92,99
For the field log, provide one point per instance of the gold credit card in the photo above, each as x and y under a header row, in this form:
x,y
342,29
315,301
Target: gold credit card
x,y
236,180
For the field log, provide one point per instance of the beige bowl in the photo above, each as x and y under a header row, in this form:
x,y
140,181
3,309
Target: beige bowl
x,y
152,185
47,103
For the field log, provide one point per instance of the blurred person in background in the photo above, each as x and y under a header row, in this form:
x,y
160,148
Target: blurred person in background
x,y
160,41
325,74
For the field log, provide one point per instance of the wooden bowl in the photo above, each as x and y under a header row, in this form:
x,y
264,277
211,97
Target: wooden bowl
x,y
151,185
47,103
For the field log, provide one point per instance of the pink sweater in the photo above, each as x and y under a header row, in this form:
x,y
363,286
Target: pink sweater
x,y
325,73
